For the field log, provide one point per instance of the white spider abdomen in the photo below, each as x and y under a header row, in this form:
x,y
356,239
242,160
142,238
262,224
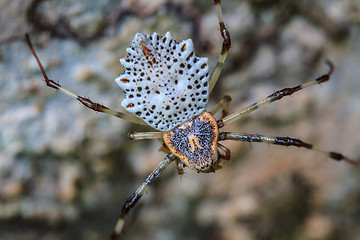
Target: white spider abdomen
x,y
165,83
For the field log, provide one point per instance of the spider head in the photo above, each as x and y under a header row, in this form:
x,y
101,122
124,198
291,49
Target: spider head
x,y
195,142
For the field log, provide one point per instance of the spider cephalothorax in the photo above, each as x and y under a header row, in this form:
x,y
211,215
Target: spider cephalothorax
x,y
167,88
195,142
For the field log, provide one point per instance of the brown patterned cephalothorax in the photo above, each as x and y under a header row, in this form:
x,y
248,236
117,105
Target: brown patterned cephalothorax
x,y
167,87
195,142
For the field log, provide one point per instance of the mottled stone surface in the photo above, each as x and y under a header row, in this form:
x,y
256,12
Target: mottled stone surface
x,y
65,171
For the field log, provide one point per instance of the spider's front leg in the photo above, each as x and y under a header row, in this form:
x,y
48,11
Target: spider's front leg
x,y
283,141
131,202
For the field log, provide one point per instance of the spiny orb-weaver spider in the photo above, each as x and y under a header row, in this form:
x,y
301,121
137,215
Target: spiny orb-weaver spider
x,y
167,87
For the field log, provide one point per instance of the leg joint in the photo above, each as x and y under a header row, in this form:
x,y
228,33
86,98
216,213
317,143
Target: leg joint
x,y
227,98
286,141
217,2
226,36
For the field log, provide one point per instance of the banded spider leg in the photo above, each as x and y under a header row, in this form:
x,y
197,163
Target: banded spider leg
x,y
97,107
284,141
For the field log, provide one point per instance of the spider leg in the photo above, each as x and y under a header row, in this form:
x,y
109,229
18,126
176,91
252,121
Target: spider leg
x,y
180,167
225,47
225,150
275,97
224,104
85,101
131,202
145,135
284,141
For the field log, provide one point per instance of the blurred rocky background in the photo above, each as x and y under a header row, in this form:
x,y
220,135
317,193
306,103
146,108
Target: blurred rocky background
x,y
65,171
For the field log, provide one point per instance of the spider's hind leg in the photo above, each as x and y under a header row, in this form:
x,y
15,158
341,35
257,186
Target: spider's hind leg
x,y
284,141
225,47
276,96
224,104
97,107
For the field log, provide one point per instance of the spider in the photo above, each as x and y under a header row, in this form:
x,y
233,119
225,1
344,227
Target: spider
x,y
167,87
